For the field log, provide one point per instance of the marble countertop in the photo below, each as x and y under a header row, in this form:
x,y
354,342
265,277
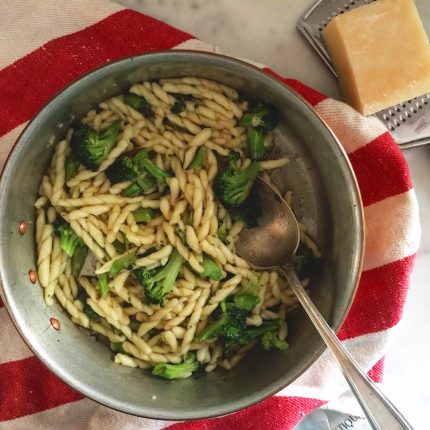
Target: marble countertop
x,y
266,32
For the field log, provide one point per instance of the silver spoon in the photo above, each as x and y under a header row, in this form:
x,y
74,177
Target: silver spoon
x,y
272,245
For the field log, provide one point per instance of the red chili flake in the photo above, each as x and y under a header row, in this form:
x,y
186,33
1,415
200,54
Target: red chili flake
x,y
55,323
23,225
32,274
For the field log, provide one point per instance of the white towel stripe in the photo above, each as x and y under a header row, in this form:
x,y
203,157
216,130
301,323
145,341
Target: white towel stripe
x,y
83,415
392,230
352,129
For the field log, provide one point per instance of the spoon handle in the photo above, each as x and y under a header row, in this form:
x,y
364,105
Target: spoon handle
x,y
380,412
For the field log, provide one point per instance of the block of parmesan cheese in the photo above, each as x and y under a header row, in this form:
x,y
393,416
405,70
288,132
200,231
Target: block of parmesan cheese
x,y
381,54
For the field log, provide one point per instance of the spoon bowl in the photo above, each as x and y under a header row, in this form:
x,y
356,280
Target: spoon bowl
x,y
274,242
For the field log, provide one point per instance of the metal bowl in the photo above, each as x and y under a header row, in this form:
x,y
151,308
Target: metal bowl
x,y
327,200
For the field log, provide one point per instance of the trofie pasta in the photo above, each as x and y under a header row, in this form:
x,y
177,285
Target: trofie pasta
x,y
137,217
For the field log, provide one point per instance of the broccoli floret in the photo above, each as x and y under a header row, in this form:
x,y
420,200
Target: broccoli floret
x,y
122,263
159,282
303,261
143,215
270,340
103,284
232,185
211,269
177,371
248,212
69,240
230,326
140,187
71,167
140,104
198,159
247,298
78,259
250,333
91,148
258,122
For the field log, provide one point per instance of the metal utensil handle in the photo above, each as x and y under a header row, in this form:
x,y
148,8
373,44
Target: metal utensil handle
x,y
380,412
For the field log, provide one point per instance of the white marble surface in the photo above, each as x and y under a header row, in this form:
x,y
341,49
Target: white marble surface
x,y
265,31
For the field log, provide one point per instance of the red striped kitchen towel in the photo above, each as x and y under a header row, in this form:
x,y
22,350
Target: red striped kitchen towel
x,y
46,44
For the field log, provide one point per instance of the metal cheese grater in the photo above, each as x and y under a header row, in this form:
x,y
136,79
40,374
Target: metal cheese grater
x,y
408,122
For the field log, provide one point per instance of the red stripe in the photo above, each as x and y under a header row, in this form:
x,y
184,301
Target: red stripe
x,y
312,96
381,169
377,371
28,387
378,304
274,413
27,84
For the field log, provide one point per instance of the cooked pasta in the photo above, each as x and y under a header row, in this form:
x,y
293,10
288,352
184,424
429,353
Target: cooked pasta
x,y
157,225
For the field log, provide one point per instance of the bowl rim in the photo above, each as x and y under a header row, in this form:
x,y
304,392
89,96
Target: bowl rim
x,y
249,400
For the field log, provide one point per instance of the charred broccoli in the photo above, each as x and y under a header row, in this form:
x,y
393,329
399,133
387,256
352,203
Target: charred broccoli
x,y
248,212
232,185
159,282
178,107
230,325
176,371
140,104
132,167
303,261
91,148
